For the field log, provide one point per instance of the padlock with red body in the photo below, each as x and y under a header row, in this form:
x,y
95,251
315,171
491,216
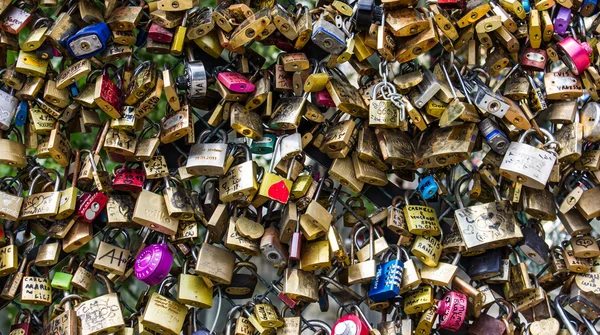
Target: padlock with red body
x,y
236,82
22,325
91,205
534,59
14,19
128,179
452,310
107,94
160,34
323,98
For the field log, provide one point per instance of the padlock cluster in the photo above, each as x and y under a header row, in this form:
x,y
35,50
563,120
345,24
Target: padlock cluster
x,y
449,145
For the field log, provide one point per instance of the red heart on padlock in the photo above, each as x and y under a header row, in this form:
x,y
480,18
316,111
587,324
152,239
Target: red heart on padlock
x,y
280,192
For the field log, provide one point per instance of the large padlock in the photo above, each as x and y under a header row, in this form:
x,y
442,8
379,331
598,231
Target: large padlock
x,y
528,165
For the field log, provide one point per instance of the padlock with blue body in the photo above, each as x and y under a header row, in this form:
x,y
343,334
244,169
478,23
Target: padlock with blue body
x,y
588,8
21,115
89,41
427,187
388,277
74,89
526,5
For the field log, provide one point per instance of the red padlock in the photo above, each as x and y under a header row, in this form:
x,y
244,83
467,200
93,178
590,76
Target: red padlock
x,y
108,94
90,205
160,34
534,59
22,325
128,179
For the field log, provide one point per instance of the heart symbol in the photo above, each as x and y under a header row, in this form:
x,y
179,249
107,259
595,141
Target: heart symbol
x,y
279,192
549,326
6,202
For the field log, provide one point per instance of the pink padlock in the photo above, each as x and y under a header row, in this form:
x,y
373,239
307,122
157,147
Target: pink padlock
x,y
236,82
153,264
323,98
574,54
452,310
160,34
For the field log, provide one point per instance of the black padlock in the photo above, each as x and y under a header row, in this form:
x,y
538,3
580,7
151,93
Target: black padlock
x,y
486,265
364,13
242,284
533,244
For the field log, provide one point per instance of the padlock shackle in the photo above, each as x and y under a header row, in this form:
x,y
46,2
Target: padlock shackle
x,y
339,286
167,283
457,186
562,315
316,324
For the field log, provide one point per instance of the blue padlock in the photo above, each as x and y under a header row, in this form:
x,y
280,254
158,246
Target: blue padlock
x,y
21,115
427,187
74,89
388,277
89,41
526,5
588,8
141,38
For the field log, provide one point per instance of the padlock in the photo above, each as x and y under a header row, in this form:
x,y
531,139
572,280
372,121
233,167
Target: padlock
x,y
534,164
36,290
240,180
192,290
215,263
107,94
207,158
420,220
48,253
153,263
386,284
495,224
357,322
362,272
151,211
9,257
111,258
162,314
41,205
328,36
89,41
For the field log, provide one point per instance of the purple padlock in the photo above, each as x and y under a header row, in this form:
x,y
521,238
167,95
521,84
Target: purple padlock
x,y
153,264
562,19
236,82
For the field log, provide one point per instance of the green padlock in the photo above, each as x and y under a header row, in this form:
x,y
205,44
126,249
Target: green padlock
x,y
62,279
264,146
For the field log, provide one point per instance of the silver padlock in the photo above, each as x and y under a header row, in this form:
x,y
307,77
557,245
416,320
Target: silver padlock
x,y
590,120
426,89
528,165
494,136
328,36
8,106
290,146
488,101
194,79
